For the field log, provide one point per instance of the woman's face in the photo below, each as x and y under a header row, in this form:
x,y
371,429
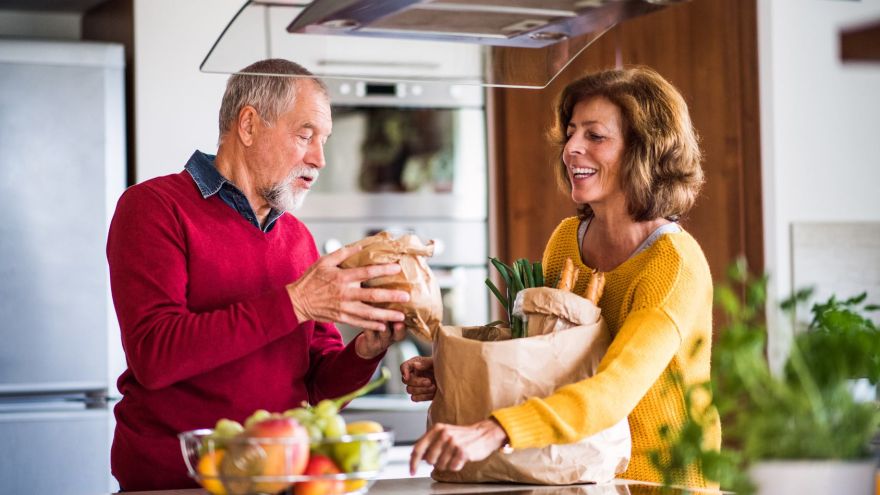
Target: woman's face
x,y
593,152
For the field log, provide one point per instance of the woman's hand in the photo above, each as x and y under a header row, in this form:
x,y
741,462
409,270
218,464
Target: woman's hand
x,y
449,447
418,375
371,343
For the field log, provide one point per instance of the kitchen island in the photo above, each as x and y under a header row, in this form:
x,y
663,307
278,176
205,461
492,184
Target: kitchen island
x,y
427,486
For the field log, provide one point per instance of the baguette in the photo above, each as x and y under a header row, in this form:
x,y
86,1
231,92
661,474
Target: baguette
x,y
595,287
568,277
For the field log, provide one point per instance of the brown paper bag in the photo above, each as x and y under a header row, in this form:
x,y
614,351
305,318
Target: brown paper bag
x,y
547,310
425,307
475,377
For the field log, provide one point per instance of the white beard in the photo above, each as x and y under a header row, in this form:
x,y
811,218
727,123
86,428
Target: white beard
x,y
283,196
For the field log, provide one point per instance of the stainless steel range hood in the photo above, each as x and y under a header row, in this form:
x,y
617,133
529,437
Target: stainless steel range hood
x,y
445,41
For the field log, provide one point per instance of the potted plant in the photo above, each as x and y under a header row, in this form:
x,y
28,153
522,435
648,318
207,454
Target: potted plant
x,y
800,430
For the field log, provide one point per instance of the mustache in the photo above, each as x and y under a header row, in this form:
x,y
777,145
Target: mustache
x,y
281,196
304,171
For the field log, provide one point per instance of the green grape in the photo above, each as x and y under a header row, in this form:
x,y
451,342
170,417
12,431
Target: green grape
x,y
223,431
334,426
302,415
227,428
326,408
256,417
315,433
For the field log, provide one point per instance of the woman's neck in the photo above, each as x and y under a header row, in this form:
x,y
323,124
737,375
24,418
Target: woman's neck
x,y
613,236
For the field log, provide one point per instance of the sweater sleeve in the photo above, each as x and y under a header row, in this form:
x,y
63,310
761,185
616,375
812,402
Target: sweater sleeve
x,y
645,344
164,341
336,370
637,357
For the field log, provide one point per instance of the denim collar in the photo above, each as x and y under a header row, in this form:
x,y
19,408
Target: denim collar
x,y
201,167
210,182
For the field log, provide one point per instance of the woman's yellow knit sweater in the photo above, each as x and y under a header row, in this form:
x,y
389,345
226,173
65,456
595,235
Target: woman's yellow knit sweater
x,y
658,306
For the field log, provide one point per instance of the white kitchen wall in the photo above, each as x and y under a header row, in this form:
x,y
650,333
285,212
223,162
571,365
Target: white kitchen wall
x,y
820,134
176,105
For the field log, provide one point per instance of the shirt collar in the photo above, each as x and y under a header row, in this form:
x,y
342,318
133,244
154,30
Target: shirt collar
x,y
210,182
201,167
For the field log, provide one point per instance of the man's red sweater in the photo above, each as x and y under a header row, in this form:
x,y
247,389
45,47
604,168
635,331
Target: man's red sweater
x,y
207,325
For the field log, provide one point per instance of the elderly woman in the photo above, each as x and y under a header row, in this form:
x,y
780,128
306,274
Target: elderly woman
x,y
631,162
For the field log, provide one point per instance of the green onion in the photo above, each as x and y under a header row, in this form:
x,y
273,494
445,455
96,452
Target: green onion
x,y
521,275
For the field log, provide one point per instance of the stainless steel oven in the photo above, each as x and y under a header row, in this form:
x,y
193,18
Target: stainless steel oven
x,y
409,158
403,151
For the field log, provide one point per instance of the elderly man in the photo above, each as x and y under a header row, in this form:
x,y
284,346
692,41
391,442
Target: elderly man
x,y
221,297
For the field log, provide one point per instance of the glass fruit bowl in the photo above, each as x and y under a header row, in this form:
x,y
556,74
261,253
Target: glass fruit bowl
x,y
245,465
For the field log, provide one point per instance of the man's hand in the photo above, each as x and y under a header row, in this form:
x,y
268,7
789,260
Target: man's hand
x,y
449,447
371,343
418,375
328,293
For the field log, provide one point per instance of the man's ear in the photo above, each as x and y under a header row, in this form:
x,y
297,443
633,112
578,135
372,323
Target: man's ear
x,y
248,121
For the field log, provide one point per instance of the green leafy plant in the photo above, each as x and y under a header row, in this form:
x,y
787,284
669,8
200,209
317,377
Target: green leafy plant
x,y
521,275
805,412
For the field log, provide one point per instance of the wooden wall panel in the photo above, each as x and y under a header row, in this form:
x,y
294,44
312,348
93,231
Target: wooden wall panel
x,y
529,204
708,50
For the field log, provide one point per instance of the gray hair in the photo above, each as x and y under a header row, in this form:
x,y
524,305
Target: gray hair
x,y
260,86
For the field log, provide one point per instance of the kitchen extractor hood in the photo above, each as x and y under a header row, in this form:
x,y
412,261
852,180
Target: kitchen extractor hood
x,y
470,42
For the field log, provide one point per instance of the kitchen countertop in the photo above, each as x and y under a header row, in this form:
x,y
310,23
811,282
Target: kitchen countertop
x,y
427,486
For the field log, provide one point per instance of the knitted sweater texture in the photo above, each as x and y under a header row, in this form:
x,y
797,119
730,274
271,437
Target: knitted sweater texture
x,y
658,307
207,325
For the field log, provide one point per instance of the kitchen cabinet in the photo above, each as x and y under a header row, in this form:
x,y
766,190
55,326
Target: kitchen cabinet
x,y
708,50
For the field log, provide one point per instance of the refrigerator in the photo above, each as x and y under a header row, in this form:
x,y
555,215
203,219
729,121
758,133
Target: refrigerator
x,y
62,168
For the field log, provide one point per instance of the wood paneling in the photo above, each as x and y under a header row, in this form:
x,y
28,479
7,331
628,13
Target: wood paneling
x,y
708,50
861,44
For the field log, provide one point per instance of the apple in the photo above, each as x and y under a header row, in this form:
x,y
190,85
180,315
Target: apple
x,y
320,465
286,453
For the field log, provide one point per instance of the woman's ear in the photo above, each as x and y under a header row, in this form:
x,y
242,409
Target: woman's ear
x,y
248,120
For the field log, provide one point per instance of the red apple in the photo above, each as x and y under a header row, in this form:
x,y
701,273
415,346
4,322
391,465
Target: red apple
x,y
320,465
286,455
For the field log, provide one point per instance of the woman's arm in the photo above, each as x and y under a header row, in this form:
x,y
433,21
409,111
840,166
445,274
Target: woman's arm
x,y
638,355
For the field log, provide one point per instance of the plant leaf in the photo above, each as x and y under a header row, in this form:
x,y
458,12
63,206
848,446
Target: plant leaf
x,y
501,298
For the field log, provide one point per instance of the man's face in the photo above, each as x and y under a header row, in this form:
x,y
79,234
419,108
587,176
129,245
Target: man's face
x,y
290,153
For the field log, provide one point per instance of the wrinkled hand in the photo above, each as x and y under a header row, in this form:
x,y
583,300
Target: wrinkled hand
x,y
449,447
328,293
418,375
371,343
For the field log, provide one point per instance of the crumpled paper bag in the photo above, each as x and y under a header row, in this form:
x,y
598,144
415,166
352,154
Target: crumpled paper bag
x,y
547,310
476,373
425,307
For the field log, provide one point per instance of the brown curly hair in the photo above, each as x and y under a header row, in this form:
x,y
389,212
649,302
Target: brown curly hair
x,y
660,174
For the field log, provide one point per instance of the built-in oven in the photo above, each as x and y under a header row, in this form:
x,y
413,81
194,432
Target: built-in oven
x,y
403,151
408,158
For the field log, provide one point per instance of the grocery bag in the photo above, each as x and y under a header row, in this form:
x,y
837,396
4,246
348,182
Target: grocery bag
x,y
480,369
425,307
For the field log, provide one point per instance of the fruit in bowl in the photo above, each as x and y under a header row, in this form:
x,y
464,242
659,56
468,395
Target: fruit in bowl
x,y
309,448
273,448
249,466
320,465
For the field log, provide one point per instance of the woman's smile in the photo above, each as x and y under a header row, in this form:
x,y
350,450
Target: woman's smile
x,y
582,173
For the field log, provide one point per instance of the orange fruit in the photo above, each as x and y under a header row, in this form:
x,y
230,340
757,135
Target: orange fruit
x,y
354,485
208,468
